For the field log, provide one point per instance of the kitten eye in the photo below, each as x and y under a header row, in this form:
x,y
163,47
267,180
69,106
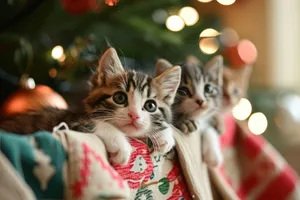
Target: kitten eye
x,y
120,98
209,89
150,106
184,91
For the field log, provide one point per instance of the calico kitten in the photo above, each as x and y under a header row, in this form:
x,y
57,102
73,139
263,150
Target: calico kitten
x,y
121,103
198,99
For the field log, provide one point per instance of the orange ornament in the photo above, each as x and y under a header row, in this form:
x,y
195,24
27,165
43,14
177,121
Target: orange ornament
x,y
32,99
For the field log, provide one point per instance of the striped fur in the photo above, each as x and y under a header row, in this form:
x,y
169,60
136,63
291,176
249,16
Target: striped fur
x,y
198,99
115,94
139,88
194,80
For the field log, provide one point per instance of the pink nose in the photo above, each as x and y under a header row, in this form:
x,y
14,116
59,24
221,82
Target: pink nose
x,y
134,116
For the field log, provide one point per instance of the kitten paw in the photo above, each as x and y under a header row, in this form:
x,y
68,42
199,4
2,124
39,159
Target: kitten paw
x,y
165,142
121,157
119,151
166,146
212,157
188,126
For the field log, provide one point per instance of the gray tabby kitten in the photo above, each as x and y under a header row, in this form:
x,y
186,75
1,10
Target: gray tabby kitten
x,y
198,99
121,103
235,86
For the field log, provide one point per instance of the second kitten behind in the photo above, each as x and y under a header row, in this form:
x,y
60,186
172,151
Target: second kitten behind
x,y
198,99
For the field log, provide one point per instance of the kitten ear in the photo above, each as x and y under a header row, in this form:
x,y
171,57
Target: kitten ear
x,y
168,83
161,66
215,68
193,60
109,65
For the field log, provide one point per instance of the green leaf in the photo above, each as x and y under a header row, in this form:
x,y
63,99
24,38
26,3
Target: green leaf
x,y
143,192
164,186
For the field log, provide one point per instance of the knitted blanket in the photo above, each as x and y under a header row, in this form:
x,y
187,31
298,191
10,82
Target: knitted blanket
x,y
253,168
72,165
64,165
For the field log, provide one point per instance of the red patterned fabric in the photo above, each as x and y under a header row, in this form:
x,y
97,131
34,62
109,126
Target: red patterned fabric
x,y
136,177
253,167
151,175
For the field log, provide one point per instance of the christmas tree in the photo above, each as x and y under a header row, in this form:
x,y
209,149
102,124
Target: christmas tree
x,y
81,30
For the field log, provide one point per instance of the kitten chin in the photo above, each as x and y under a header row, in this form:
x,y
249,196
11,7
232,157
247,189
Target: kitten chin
x,y
133,130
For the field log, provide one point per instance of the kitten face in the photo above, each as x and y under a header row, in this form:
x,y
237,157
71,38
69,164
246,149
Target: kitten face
x,y
200,89
235,85
133,102
199,92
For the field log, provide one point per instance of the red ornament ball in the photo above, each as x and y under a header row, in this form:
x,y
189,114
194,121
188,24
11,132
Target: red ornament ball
x,y
32,99
78,7
243,53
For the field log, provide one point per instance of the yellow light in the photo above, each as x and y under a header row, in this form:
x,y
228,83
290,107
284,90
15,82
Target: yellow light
x,y
205,1
189,15
257,123
174,23
209,33
242,110
62,58
57,52
226,2
209,45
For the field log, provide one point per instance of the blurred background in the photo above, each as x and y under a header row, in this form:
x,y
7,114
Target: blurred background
x,y
51,47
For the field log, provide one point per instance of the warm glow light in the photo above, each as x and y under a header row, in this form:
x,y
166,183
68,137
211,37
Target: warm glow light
x,y
226,2
189,15
30,83
62,58
229,37
242,110
209,33
53,73
205,1
111,2
247,51
57,52
175,23
209,45
257,123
